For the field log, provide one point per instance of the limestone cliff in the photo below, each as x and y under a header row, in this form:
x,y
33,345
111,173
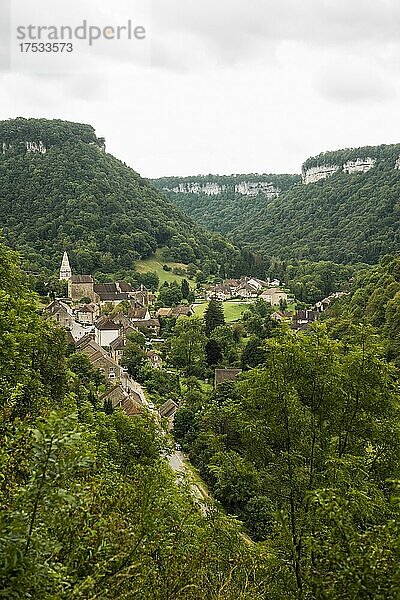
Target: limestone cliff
x,y
350,161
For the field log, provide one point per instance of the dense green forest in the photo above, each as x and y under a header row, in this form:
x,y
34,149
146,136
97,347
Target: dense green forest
x,y
309,281
344,219
303,447
384,154
227,210
89,507
75,197
374,300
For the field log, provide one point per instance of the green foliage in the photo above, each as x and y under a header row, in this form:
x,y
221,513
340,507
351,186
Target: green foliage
x,y
75,197
160,384
187,345
185,289
302,449
213,352
310,282
373,300
88,504
134,358
344,219
253,354
225,211
170,295
257,320
383,154
213,316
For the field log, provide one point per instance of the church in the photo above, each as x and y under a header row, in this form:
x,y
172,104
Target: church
x,y
84,287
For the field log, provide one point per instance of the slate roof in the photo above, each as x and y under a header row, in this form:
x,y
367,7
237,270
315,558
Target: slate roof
x,y
115,290
106,324
164,312
129,403
81,279
179,311
118,343
226,375
137,313
150,323
168,409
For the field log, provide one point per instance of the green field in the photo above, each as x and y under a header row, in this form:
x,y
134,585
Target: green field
x,y
232,310
155,264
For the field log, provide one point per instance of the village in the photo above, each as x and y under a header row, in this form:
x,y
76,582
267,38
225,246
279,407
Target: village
x,y
99,318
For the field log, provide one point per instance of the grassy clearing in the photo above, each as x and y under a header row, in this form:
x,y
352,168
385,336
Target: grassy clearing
x,y
232,310
155,263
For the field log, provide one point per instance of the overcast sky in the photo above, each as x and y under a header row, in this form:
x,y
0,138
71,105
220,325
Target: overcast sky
x,y
222,86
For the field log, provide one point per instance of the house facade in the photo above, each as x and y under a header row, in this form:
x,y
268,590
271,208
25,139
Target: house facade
x,y
106,331
274,296
81,286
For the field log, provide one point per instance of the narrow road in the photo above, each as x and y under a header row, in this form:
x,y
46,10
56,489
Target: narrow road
x,y
179,464
182,468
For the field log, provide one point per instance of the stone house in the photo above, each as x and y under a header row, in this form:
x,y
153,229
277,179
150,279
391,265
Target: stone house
x,y
81,286
164,312
303,318
106,331
130,402
182,311
86,314
150,327
138,314
117,347
246,291
99,358
155,359
143,296
112,293
63,315
219,292
258,284
60,312
274,296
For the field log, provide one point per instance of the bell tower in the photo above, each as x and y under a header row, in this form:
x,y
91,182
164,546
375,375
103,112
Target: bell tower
x,y
65,269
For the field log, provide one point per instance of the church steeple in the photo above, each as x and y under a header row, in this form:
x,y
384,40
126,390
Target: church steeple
x,y
65,269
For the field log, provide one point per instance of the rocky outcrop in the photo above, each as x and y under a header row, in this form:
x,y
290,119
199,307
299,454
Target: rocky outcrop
x,y
315,174
254,188
360,165
29,146
36,147
211,188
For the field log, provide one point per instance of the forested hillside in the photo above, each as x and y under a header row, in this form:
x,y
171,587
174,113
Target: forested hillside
x,y
375,301
225,209
349,217
59,191
303,447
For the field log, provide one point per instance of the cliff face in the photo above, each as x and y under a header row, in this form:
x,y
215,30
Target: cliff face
x,y
244,188
350,161
359,165
267,186
28,146
39,135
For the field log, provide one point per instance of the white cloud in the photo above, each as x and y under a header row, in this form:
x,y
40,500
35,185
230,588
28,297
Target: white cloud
x,y
232,86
